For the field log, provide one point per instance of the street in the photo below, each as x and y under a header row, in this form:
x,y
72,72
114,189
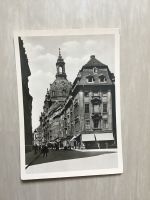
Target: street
x,y
65,161
54,155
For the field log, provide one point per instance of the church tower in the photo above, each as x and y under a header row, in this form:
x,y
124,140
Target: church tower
x,y
60,88
60,65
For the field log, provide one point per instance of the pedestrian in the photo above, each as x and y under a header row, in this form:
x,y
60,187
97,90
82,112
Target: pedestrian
x,y
45,151
35,147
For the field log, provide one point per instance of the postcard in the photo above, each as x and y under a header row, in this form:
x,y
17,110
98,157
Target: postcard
x,y
69,102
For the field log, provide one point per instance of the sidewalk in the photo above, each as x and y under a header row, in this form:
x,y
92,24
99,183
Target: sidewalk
x,y
97,150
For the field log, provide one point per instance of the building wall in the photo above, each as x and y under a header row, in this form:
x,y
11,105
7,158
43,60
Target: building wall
x,y
73,118
27,98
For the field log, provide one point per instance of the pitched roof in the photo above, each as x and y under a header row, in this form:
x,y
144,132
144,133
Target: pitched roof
x,y
93,62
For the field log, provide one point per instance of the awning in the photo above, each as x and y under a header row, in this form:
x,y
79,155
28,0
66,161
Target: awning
x,y
75,137
97,137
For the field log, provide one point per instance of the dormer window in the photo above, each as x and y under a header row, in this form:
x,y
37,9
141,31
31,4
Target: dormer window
x,y
102,78
95,69
90,79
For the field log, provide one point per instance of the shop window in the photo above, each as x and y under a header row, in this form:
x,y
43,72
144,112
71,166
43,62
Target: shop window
x,y
86,108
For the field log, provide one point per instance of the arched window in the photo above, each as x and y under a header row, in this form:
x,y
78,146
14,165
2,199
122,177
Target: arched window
x,y
60,70
102,78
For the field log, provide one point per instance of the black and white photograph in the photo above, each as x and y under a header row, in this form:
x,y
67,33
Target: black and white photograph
x,y
69,102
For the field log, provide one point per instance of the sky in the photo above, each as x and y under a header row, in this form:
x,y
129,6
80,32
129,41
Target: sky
x,y
42,53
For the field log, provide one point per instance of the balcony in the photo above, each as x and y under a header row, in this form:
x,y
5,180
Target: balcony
x,y
96,115
96,100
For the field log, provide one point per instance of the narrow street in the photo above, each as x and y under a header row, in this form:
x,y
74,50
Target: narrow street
x,y
54,155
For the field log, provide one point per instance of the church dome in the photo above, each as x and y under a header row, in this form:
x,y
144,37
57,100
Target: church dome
x,y
60,88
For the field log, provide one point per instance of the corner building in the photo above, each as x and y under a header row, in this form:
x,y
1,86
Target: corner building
x,y
93,95
82,113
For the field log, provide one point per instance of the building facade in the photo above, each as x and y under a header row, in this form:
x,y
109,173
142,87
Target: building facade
x,y
27,98
81,114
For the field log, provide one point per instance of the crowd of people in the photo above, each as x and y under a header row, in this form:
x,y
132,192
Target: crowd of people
x,y
41,149
44,149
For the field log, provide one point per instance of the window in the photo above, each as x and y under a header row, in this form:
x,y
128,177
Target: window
x,y
77,124
75,102
60,70
64,91
104,94
105,107
53,93
76,110
96,123
86,94
90,79
105,123
95,70
86,108
102,78
87,124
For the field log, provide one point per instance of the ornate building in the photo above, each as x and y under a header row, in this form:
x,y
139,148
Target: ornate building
x,y
82,114
54,101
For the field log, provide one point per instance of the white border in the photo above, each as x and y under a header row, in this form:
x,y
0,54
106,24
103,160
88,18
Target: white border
x,y
69,32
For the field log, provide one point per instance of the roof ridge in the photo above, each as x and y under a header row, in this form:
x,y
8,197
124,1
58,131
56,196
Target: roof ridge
x,y
93,62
